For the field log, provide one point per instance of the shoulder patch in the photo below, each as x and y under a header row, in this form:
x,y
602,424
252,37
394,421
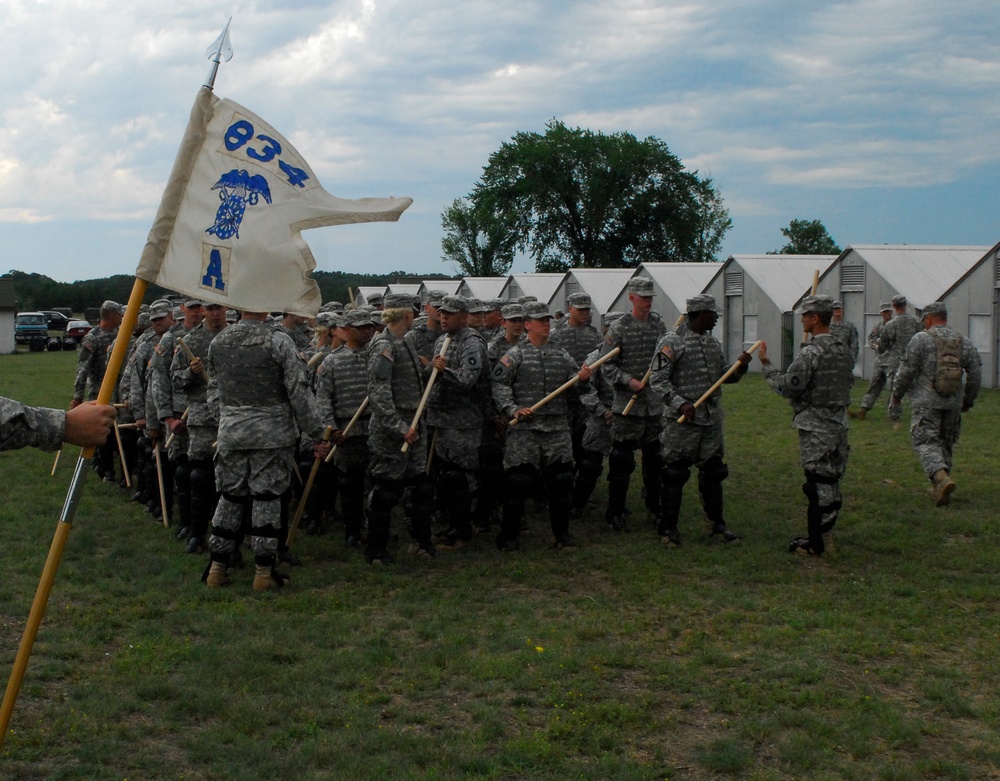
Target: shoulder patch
x,y
667,352
506,361
388,354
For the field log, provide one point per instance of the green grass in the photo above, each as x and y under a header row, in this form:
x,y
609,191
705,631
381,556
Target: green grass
x,y
623,660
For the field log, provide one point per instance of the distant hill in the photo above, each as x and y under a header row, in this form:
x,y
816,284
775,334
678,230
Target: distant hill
x,y
37,291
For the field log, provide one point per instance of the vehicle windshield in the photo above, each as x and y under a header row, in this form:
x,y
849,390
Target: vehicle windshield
x,y
31,320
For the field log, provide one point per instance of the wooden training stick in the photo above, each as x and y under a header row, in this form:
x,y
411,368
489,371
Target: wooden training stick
x,y
805,336
159,480
721,380
294,527
427,390
55,462
170,439
349,426
568,384
121,453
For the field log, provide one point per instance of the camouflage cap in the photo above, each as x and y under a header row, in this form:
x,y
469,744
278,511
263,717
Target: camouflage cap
x,y
394,300
112,306
158,310
815,305
610,317
885,306
701,303
512,312
325,319
435,297
526,300
232,316
936,308
536,310
191,302
478,306
641,286
899,300
580,301
357,318
495,304
378,298
454,304
838,304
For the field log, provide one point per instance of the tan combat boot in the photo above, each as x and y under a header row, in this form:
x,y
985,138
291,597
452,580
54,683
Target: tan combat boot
x,y
859,414
943,487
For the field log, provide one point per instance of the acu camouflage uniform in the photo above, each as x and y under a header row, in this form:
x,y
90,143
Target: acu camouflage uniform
x,y
455,413
539,446
171,403
395,385
92,362
846,332
24,426
895,337
685,367
259,393
937,419
879,368
341,388
818,386
641,428
595,444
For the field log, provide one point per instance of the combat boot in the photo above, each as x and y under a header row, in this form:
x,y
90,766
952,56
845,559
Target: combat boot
x,y
943,486
268,577
860,414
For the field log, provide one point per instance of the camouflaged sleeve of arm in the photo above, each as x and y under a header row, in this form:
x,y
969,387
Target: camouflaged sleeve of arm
x,y
23,426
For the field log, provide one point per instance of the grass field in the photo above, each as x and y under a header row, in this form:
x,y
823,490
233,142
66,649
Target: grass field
x,y
622,660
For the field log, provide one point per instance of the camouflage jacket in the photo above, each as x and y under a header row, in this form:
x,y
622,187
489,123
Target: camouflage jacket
x,y
917,371
193,386
23,426
817,384
92,362
637,340
341,388
578,341
525,375
456,400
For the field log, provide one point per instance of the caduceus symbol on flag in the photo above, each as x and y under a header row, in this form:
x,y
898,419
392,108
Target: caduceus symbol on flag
x,y
228,231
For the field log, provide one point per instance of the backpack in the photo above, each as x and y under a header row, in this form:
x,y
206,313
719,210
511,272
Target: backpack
x,y
948,374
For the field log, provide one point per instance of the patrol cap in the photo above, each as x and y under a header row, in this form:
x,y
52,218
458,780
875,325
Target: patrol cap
x,y
838,304
478,306
232,316
512,312
454,304
610,317
702,302
333,306
641,286
815,305
325,319
357,319
885,306
495,304
378,298
143,320
936,308
394,300
536,310
580,301
899,300
112,306
158,311
526,300
435,297
193,302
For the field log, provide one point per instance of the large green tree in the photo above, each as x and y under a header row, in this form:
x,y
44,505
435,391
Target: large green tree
x,y
575,198
478,239
807,237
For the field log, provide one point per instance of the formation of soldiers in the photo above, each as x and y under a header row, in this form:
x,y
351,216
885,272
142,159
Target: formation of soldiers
x,y
463,413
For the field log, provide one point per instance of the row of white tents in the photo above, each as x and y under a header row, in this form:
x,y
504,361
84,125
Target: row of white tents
x,y
758,294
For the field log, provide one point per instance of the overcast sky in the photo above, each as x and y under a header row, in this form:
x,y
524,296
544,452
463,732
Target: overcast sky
x,y
879,117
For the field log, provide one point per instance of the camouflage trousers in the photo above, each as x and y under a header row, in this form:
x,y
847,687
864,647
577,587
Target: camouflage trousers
x,y
875,387
934,433
693,444
540,449
823,455
387,459
199,442
895,410
254,479
459,447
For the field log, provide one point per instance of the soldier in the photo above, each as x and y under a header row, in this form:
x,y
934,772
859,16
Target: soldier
x,y
895,337
879,373
90,368
395,385
377,302
341,389
576,335
258,385
423,335
539,446
190,379
844,331
493,319
685,367
932,373
637,334
818,386
455,414
297,328
86,425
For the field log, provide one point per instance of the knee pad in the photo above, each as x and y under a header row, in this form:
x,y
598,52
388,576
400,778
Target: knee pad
x,y
590,464
676,473
622,459
202,477
385,495
809,489
559,479
520,481
714,470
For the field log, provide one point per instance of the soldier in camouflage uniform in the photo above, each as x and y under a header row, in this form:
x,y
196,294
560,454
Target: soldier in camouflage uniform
x,y
895,337
455,414
296,327
595,444
424,335
685,367
190,380
258,385
844,331
170,404
395,385
637,334
86,425
341,389
879,373
90,366
932,373
539,445
818,386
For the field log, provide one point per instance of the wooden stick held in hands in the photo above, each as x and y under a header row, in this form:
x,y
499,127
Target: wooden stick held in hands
x,y
718,383
805,336
170,439
294,527
121,454
568,384
347,429
427,390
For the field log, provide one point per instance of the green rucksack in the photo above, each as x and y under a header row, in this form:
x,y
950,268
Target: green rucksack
x,y
948,375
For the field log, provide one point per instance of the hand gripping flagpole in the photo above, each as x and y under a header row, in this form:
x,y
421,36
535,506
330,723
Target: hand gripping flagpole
x,y
153,254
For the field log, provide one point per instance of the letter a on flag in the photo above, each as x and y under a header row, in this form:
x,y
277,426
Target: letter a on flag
x,y
228,229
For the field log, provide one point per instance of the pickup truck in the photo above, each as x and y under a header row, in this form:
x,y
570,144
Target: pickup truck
x,y
29,325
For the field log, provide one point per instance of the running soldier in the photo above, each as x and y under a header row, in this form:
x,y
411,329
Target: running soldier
x,y
879,373
895,337
685,367
942,372
818,386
